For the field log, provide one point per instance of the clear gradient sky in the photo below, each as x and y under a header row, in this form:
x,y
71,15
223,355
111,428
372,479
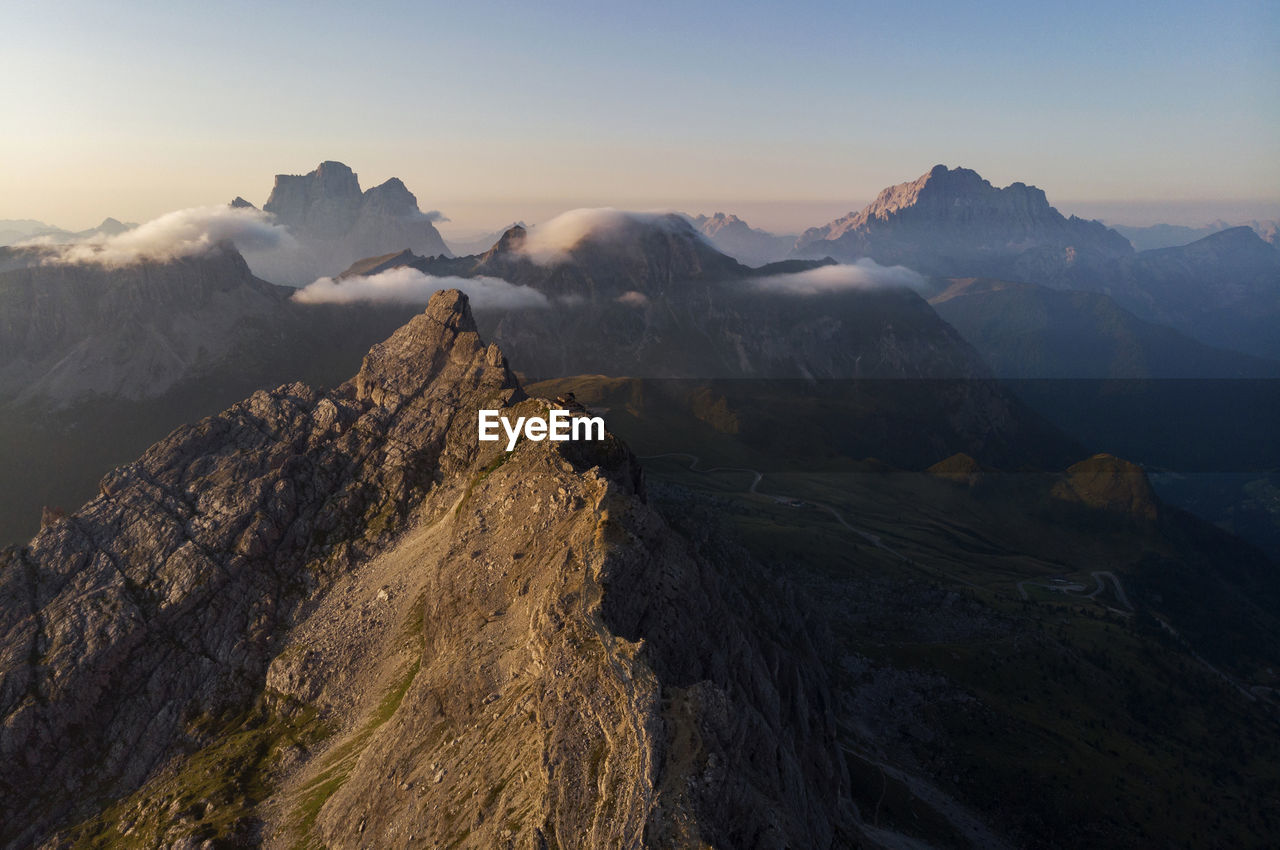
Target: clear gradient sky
x,y
497,111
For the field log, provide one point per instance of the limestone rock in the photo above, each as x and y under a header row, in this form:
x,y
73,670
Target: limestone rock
x,y
953,223
337,617
337,224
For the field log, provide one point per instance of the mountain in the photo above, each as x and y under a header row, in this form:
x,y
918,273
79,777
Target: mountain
x,y
17,229
478,244
648,297
1144,391
1028,331
96,362
70,331
953,223
1000,644
1223,290
733,236
337,618
336,223
600,254
20,230
1156,236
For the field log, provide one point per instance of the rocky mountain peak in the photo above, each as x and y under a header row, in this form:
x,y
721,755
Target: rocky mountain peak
x,y
953,222
719,222
510,241
391,198
112,226
1242,238
240,203
952,193
324,202
733,236
255,585
338,224
441,344
335,179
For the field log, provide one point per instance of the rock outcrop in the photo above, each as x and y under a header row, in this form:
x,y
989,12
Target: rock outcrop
x,y
1110,484
336,223
337,617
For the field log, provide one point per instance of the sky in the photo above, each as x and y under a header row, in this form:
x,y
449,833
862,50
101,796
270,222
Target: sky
x,y
789,114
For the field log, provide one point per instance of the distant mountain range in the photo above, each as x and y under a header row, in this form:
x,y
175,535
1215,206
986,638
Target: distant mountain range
x,y
826,581
13,231
746,244
649,298
1027,331
1223,290
1155,236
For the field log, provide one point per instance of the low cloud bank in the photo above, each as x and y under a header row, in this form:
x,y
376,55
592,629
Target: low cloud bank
x,y
549,241
409,286
183,233
864,274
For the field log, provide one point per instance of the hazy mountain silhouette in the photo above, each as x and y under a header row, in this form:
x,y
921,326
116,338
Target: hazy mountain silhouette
x,y
336,223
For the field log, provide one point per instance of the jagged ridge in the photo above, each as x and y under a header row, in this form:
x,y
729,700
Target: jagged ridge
x,y
568,670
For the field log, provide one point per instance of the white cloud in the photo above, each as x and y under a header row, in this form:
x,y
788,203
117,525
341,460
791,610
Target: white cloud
x,y
183,233
864,274
632,298
406,285
548,242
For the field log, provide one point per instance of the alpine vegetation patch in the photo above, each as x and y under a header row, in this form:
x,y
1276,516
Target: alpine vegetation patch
x,y
557,425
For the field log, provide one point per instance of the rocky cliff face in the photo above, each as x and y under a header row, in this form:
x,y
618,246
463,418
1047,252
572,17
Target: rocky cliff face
x,y
77,333
337,617
71,331
951,222
336,223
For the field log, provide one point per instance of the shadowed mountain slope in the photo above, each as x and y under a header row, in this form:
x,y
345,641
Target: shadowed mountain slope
x,y
336,617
